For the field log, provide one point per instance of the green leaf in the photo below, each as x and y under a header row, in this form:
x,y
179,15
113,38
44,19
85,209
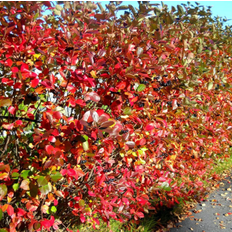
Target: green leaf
x,y
123,7
25,173
141,87
86,145
90,154
1,214
15,186
180,9
53,209
165,186
36,16
36,226
3,190
81,202
42,181
46,189
3,230
57,12
59,7
210,85
127,111
15,175
56,176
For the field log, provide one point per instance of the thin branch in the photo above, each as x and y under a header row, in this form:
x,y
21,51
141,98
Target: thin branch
x,y
6,144
19,118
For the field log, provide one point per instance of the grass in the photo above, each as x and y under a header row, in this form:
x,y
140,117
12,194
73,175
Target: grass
x,y
152,222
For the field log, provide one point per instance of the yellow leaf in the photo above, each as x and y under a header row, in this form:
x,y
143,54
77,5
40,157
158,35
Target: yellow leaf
x,y
93,74
31,145
36,56
5,102
9,199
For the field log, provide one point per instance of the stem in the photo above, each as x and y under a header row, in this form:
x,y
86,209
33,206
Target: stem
x,y
19,118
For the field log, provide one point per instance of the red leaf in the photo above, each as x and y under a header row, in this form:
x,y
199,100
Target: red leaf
x,y
52,139
55,132
57,115
149,127
9,62
10,210
92,194
18,122
20,212
80,102
142,142
49,149
48,223
63,172
140,214
12,110
8,126
24,68
92,96
82,218
52,79
25,185
34,82
15,70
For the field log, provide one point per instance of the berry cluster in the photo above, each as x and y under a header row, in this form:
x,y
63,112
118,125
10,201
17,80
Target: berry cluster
x,y
156,101
164,84
124,131
156,89
140,104
83,161
169,103
145,82
96,141
164,155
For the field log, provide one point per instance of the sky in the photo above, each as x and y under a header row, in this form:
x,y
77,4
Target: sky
x,y
219,8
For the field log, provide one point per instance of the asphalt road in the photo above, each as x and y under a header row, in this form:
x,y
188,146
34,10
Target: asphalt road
x,y
212,215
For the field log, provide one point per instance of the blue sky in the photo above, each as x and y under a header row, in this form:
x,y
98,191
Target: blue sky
x,y
219,8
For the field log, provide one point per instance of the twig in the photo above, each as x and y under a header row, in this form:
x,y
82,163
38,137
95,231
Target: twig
x,y
6,145
19,118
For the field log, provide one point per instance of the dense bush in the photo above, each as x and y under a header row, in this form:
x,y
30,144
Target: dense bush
x,y
106,116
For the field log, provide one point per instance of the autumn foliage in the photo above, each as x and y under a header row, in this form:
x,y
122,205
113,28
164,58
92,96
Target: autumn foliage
x,y
106,116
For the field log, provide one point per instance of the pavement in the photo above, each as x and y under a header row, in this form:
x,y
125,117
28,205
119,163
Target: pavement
x,y
211,215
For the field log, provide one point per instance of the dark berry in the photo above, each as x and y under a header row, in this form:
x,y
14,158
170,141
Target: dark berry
x,y
124,131
164,155
157,101
141,104
144,82
169,103
83,161
169,83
